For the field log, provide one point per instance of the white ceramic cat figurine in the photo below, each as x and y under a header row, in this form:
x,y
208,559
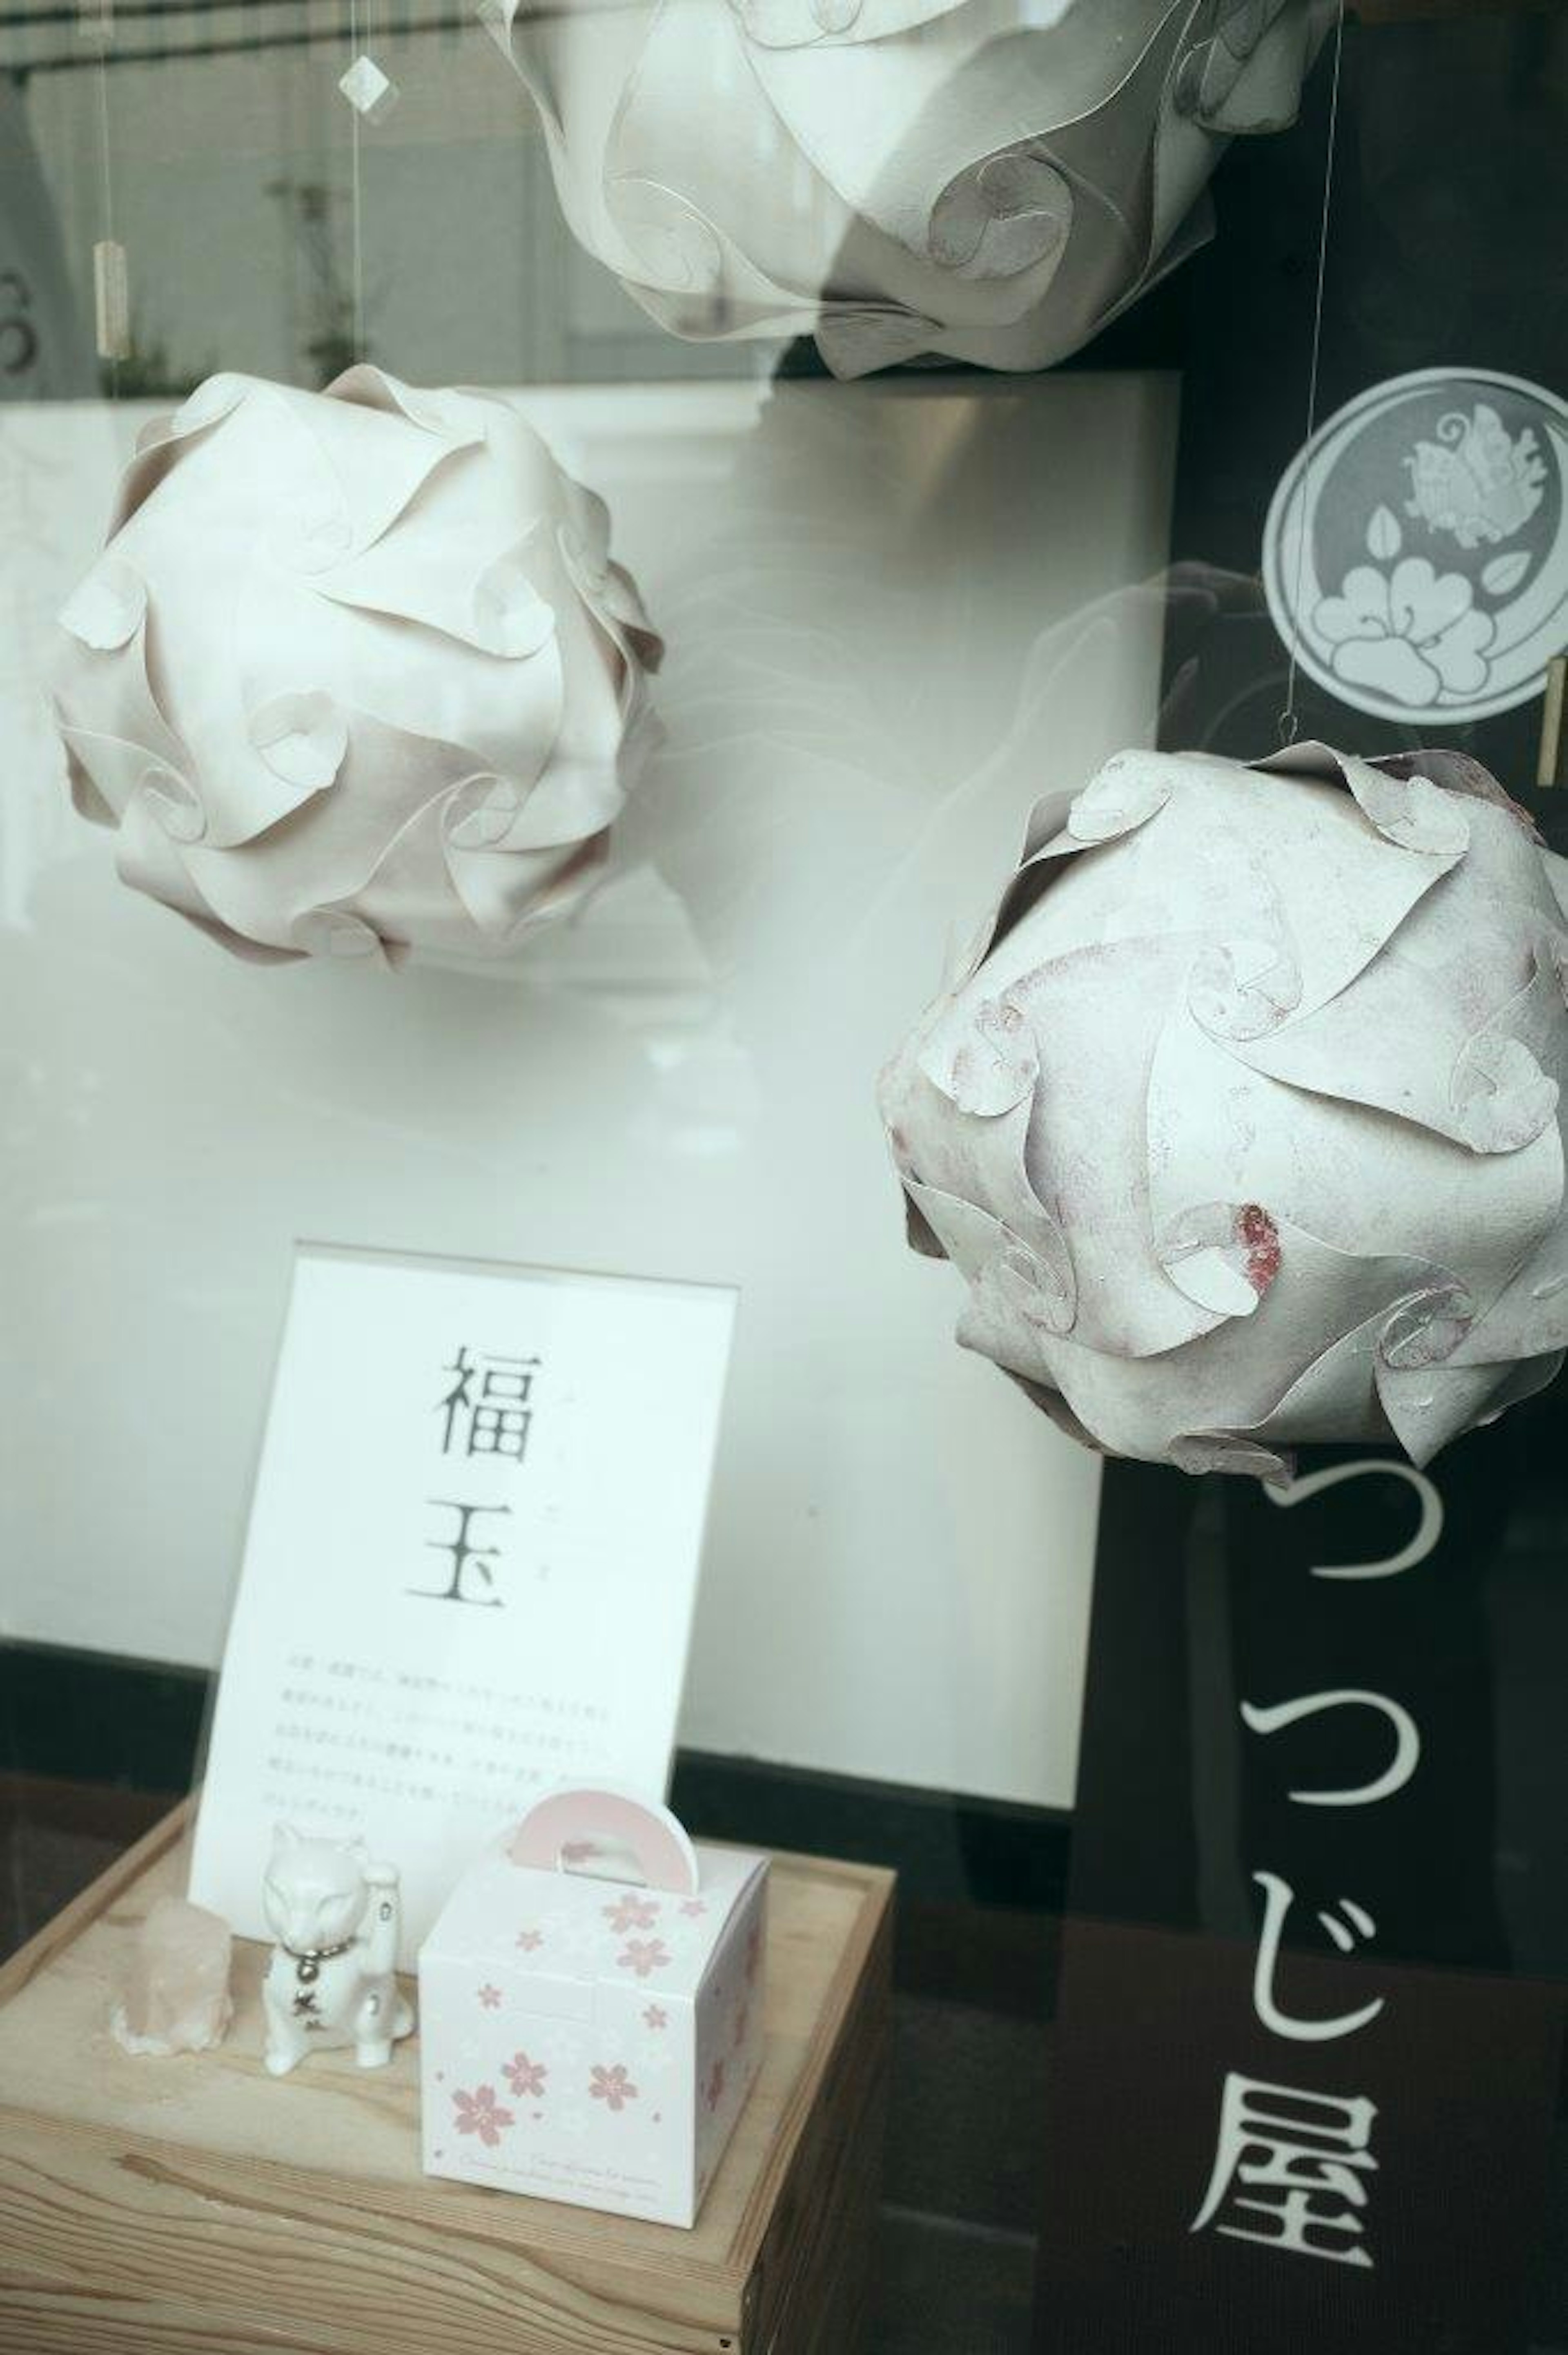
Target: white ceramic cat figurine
x,y
331,1980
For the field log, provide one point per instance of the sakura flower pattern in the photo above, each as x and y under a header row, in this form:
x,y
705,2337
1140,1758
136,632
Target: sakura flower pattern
x,y
644,1956
530,1941
526,2077
631,1912
490,1998
480,2113
1412,633
655,2018
612,2086
693,1908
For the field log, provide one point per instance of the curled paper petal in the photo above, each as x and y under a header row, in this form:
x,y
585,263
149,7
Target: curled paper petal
x,y
500,609
172,800
457,417
1426,1329
121,772
1128,791
207,405
989,1063
1410,811
1005,216
1457,773
1239,79
1504,1098
1278,1081
1239,989
856,339
301,738
386,715
673,245
483,812
1224,1255
1427,1407
900,176
1013,1286
1229,1450
107,609
606,587
511,617
335,933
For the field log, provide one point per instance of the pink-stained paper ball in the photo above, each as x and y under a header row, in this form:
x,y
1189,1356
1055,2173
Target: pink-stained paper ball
x,y
1245,1122
354,673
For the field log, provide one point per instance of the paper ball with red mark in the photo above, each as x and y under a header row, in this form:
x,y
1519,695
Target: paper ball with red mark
x,y
354,673
899,176
1245,1122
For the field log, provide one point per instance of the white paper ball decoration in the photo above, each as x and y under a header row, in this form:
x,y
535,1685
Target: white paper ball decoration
x,y
355,673
1245,1122
991,180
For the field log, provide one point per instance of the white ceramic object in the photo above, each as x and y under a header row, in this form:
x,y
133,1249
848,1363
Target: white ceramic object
x,y
1245,1121
331,1981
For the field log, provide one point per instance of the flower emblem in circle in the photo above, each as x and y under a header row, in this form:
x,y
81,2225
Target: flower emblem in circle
x,y
1416,552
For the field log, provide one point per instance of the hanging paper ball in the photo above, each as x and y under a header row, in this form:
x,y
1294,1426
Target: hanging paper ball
x,y
1245,1122
354,673
899,176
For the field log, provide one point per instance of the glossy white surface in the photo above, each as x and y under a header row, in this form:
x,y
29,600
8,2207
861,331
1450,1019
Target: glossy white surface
x,y
863,588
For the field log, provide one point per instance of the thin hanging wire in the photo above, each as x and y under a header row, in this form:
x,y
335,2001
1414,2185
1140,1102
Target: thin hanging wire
x,y
357,199
103,35
1287,719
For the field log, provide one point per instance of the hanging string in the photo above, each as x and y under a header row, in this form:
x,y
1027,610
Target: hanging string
x,y
110,291
1288,721
357,200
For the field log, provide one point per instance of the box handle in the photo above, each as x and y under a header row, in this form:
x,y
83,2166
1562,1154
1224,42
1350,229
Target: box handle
x,y
585,1814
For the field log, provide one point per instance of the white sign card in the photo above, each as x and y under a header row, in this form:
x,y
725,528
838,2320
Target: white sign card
x,y
470,1565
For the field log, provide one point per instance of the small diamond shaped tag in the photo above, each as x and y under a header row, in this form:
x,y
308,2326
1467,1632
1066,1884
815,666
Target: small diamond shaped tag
x,y
369,91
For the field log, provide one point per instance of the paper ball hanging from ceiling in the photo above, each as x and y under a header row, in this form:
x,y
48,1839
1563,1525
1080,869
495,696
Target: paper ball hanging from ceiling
x,y
355,673
1245,1122
987,179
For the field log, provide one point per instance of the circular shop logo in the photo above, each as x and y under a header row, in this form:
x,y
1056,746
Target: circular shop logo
x,y
1415,555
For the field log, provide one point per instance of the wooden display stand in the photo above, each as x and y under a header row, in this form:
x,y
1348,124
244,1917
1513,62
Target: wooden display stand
x,y
197,2205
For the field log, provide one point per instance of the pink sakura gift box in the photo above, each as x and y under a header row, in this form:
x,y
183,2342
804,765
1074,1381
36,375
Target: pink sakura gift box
x,y
591,2037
